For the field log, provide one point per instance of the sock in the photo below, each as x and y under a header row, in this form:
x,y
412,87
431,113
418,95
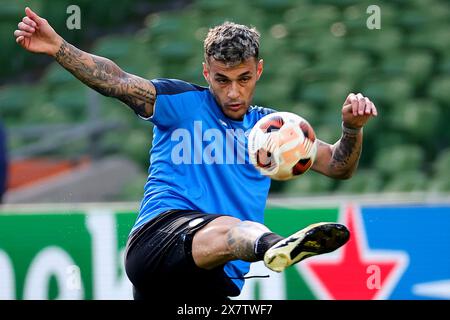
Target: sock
x,y
264,242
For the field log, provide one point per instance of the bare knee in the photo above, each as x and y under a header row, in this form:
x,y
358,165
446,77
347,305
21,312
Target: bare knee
x,y
225,239
209,245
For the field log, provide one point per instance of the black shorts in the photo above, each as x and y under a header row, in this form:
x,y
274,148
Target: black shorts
x,y
159,263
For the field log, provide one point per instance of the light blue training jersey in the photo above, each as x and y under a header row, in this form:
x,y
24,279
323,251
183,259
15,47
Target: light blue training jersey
x,y
199,160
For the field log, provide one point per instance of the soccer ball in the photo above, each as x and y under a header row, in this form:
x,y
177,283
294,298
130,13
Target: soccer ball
x,y
282,145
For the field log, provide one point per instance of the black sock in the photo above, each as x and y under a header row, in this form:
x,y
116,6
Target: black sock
x,y
264,242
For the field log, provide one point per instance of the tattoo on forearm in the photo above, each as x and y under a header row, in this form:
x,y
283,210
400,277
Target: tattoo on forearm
x,y
241,239
107,78
346,154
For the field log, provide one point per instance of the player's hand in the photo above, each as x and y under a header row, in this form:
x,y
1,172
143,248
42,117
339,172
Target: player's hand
x,y
357,110
36,35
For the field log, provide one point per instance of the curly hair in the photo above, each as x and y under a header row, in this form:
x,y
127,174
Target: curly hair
x,y
231,43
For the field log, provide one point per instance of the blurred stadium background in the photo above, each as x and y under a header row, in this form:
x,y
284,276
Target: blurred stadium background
x,y
68,144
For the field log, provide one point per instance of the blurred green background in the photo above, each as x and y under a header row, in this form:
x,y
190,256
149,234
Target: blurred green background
x,y
315,52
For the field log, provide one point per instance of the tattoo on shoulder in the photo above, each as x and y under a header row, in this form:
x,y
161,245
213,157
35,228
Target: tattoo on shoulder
x,y
138,94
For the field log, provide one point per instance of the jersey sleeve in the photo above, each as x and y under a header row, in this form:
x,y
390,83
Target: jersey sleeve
x,y
176,101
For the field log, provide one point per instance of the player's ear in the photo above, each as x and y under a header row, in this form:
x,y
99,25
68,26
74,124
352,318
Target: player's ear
x,y
206,71
259,69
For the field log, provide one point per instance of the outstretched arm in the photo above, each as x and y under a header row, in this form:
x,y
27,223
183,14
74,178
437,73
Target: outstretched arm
x,y
341,159
36,35
107,78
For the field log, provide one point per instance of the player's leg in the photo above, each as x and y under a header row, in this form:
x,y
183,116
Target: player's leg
x,y
227,238
182,252
318,238
159,263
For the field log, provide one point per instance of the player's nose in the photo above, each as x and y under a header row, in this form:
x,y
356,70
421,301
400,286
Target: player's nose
x,y
233,91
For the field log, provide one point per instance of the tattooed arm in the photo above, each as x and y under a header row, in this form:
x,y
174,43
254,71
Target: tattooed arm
x,y
341,159
36,35
107,78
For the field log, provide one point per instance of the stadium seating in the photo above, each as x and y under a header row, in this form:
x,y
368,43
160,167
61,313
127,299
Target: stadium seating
x,y
315,53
